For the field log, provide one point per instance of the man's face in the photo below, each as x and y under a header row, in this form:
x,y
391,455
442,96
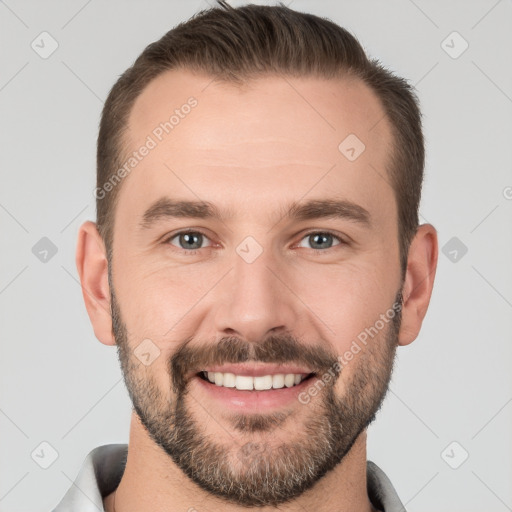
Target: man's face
x,y
257,291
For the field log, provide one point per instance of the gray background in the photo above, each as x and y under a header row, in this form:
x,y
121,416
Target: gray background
x,y
453,384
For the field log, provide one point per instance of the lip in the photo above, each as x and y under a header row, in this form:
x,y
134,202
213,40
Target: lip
x,y
258,370
252,400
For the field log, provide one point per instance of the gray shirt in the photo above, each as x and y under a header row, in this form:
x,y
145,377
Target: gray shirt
x,y
103,468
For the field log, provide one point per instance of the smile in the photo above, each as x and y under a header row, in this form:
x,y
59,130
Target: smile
x,y
258,383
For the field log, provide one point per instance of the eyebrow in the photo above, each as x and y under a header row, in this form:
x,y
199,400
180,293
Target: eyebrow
x,y
165,208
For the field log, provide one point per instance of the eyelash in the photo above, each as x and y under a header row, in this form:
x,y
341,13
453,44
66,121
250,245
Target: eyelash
x,y
168,239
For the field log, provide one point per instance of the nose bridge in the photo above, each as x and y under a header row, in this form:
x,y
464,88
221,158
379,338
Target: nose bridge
x,y
254,301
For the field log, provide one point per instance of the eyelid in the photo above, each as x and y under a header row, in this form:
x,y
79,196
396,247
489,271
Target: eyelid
x,y
166,240
342,240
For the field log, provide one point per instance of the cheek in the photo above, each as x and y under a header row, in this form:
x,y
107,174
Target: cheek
x,y
345,300
150,364
154,300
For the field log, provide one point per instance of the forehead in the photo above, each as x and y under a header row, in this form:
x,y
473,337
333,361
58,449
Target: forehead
x,y
277,136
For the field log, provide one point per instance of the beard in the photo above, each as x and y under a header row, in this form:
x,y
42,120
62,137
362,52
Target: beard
x,y
250,469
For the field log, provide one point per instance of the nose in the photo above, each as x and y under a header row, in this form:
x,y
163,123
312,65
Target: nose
x,y
255,300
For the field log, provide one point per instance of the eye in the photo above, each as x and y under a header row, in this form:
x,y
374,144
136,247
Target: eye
x,y
188,240
321,240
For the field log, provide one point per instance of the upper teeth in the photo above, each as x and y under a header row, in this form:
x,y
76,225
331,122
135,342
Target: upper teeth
x,y
230,380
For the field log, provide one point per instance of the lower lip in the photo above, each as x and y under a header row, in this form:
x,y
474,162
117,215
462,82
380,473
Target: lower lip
x,y
242,400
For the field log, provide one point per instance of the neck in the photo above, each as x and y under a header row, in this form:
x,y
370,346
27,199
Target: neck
x,y
151,481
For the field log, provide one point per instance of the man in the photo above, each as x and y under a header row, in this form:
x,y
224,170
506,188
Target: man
x,y
256,259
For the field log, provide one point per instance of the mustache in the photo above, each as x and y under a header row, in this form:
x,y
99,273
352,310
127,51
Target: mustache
x,y
277,349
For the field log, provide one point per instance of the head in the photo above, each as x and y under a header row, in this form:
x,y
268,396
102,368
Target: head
x,y
258,187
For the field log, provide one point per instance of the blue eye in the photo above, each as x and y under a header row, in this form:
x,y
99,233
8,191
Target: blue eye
x,y
322,239
189,240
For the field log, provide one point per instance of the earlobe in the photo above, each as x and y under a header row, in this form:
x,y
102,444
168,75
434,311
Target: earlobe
x,y
419,282
92,266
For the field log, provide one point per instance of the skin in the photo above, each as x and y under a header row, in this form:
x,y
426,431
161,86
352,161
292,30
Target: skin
x,y
253,149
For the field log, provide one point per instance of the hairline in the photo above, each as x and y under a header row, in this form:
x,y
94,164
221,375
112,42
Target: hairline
x,y
345,75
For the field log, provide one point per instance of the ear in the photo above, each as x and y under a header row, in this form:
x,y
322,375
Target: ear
x,y
92,265
418,283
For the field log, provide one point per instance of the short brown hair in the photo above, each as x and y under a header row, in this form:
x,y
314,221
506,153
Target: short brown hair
x,y
236,44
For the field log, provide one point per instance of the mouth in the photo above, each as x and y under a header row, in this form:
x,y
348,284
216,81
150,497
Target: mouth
x,y
241,382
242,393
